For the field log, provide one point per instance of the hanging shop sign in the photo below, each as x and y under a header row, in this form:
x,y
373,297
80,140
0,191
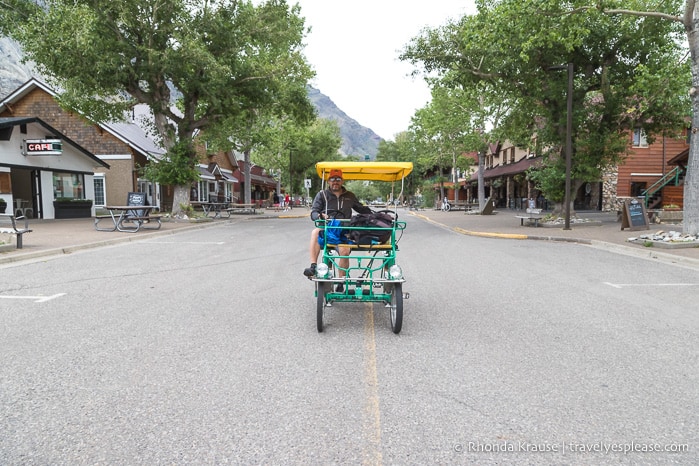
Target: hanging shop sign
x,y
42,147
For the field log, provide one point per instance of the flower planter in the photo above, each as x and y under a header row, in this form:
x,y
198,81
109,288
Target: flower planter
x,y
670,216
72,209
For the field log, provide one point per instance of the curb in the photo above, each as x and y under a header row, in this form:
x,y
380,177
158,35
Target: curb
x,y
655,255
96,244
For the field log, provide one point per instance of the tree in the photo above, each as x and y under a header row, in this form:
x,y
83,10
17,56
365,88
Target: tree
x,y
514,47
686,14
403,149
197,64
292,150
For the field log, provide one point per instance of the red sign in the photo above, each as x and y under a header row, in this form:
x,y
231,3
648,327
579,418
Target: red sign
x,y
42,147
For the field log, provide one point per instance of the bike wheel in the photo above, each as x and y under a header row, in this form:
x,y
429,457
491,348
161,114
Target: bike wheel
x,y
320,304
397,308
447,207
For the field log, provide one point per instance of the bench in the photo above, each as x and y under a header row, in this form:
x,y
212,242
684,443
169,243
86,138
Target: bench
x,y
463,205
241,209
533,216
362,247
8,224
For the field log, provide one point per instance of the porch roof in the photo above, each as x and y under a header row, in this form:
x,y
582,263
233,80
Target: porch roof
x,y
680,159
205,174
508,169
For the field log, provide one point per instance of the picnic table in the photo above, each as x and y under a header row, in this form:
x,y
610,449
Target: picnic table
x,y
129,219
217,208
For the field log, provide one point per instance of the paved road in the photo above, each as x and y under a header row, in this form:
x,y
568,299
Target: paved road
x,y
200,347
50,237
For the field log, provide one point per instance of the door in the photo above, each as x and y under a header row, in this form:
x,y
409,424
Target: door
x,y
36,194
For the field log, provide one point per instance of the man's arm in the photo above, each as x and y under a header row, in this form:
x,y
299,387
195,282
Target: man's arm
x,y
318,206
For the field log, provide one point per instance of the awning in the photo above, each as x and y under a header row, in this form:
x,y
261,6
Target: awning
x,y
511,168
263,180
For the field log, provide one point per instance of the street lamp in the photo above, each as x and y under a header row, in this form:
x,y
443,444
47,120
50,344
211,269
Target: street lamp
x,y
569,140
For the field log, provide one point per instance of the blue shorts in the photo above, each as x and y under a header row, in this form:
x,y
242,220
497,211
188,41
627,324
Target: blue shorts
x,y
335,235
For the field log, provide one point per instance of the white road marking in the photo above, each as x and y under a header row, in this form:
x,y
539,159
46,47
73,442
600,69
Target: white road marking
x,y
188,242
629,285
37,299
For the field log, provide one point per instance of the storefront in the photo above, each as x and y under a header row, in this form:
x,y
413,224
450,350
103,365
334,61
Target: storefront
x,y
44,174
215,184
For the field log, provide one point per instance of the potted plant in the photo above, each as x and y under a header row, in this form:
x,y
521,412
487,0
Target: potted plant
x,y
3,205
66,207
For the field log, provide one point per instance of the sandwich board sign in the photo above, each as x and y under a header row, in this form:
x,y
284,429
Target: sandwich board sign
x,y
634,216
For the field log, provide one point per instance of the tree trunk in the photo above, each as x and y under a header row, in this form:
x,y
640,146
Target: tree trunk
x,y
690,223
481,181
455,179
559,208
180,197
247,177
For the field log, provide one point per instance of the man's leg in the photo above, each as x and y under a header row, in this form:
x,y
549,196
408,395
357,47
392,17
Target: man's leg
x,y
342,267
314,250
344,262
314,247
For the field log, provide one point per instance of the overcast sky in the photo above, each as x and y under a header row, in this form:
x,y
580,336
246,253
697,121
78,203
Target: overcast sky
x,y
354,48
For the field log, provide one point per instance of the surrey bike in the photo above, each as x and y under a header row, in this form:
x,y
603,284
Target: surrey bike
x,y
373,274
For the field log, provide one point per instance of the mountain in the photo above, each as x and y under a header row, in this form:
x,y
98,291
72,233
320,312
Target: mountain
x,y
357,139
13,73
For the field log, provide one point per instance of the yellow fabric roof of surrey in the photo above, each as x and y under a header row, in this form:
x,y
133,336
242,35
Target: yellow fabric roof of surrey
x,y
374,171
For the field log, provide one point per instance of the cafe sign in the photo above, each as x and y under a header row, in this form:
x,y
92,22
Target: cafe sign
x,y
42,147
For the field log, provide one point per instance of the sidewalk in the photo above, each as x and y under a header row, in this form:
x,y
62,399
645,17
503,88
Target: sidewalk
x,y
51,237
604,231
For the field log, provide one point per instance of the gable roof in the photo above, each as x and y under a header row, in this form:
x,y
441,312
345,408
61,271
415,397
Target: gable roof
x,y
130,133
11,122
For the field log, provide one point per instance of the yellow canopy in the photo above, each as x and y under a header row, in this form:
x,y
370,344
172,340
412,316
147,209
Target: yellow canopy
x,y
374,171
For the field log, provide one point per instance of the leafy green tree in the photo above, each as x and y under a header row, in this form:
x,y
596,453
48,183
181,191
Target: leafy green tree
x,y
403,149
255,127
457,121
681,15
514,47
198,65
292,150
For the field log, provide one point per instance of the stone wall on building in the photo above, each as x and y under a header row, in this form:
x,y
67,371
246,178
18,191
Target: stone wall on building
x,y
610,201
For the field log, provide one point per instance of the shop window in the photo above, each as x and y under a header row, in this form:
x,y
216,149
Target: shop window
x,y
68,185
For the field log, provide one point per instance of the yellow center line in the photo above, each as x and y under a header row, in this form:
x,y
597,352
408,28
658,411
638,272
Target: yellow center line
x,y
372,411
